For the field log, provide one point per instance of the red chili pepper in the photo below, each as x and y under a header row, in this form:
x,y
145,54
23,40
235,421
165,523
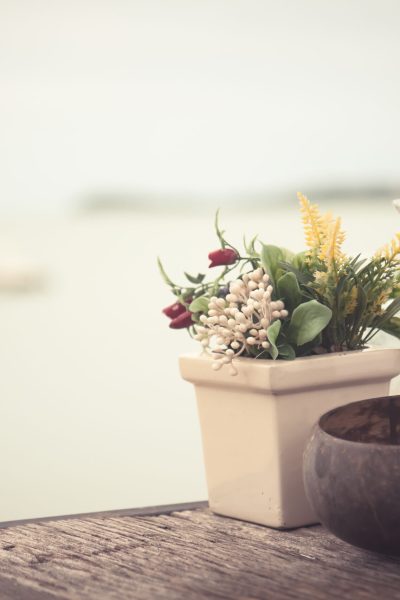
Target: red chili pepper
x,y
174,310
223,256
183,321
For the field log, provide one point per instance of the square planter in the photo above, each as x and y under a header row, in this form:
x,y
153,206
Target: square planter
x,y
255,425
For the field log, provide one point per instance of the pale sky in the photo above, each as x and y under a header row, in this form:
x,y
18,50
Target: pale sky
x,y
198,96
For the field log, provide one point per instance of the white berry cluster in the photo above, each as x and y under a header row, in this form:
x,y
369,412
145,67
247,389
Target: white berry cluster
x,y
239,322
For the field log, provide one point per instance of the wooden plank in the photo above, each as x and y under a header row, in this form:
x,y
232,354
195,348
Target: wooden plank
x,y
164,509
11,590
189,555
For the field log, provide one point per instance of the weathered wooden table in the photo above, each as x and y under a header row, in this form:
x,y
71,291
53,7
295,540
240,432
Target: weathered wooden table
x,y
184,554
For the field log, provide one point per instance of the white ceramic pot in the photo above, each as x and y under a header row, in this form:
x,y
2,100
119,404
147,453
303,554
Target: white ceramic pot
x,y
255,425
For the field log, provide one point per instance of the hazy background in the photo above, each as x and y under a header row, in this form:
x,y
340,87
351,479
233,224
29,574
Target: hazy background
x,y
124,125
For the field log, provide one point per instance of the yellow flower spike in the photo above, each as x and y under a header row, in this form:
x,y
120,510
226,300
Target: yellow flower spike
x,y
324,235
326,225
390,251
312,222
321,278
331,248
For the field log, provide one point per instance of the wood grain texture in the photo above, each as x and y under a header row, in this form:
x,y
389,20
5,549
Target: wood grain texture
x,y
186,555
125,512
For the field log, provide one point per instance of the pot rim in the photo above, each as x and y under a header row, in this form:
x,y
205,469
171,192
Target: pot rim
x,y
270,361
277,377
367,445
325,355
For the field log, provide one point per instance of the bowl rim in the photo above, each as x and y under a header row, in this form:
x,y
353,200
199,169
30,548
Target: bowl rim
x,y
366,445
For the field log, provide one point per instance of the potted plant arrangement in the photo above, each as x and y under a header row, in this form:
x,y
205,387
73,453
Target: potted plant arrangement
x,y
285,338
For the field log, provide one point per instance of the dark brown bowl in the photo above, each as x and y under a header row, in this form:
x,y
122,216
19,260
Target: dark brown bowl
x,y
352,473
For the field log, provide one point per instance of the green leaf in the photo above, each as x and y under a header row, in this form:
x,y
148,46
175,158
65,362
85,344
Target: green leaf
x,y
392,327
304,277
390,312
308,320
271,257
287,352
289,290
356,264
299,261
395,292
198,279
250,247
199,305
219,231
272,333
163,274
360,309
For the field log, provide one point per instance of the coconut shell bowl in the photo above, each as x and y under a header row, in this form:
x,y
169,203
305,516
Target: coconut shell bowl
x,y
352,473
